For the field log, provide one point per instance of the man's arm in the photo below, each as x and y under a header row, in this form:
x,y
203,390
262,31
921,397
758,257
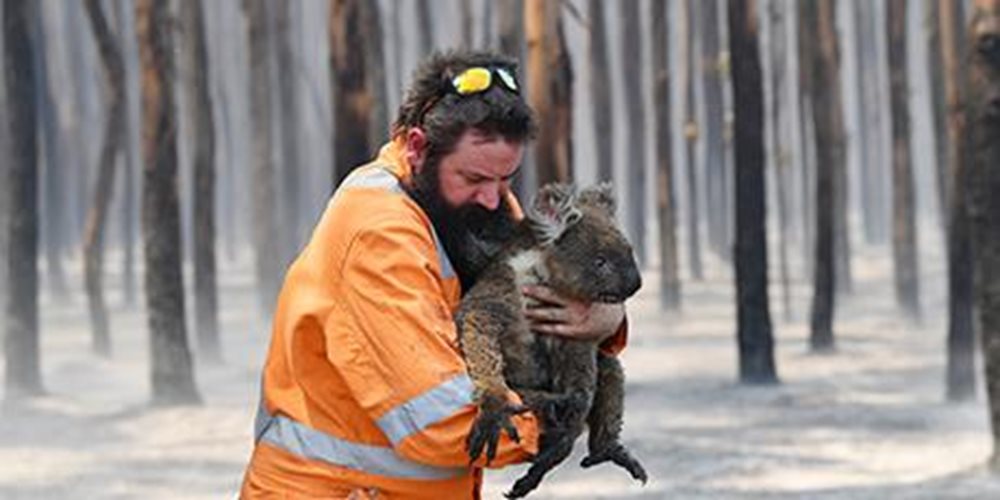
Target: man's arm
x,y
400,355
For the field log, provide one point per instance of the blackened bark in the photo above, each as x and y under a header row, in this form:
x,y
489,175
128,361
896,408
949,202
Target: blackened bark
x,y
825,97
93,233
172,371
805,44
635,111
982,202
265,230
935,65
779,146
670,283
550,90
961,378
371,24
23,377
350,88
425,28
129,163
203,189
600,91
290,167
756,343
904,234
691,132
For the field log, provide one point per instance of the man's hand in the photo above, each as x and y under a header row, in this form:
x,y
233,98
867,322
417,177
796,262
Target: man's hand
x,y
558,315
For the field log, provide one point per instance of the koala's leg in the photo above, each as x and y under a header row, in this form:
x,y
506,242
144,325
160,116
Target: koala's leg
x,y
605,420
554,448
479,340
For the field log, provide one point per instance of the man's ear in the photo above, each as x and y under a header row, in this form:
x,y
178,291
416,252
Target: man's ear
x,y
416,148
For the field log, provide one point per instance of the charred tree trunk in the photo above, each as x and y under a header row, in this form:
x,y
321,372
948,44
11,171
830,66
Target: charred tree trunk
x,y
691,132
715,148
291,167
826,104
805,43
983,202
756,343
935,64
23,376
600,91
203,161
93,233
465,14
172,372
378,126
670,283
424,27
779,147
870,98
265,230
350,87
129,162
550,90
510,27
961,378
904,234
635,111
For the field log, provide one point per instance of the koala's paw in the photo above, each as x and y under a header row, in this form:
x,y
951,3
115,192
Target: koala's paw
x,y
486,429
620,456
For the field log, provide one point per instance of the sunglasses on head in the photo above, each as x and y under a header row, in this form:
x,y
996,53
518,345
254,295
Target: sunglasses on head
x,y
476,80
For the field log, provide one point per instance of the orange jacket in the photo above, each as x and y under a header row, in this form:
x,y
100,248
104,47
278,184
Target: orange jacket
x,y
364,391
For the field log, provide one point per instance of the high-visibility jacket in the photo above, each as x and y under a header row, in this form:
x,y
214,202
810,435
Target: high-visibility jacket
x,y
364,391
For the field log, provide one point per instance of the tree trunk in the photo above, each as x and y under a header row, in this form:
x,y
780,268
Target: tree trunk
x,y
983,203
805,43
371,21
203,160
961,378
290,180
129,162
465,16
350,87
871,98
935,65
4,174
172,372
670,283
635,111
779,147
600,91
265,230
424,27
823,62
23,376
756,344
93,234
904,234
510,28
550,90
689,18
715,161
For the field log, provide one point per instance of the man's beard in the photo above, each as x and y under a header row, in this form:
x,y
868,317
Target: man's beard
x,y
471,235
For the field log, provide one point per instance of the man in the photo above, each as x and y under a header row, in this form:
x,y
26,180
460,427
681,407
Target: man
x,y
364,391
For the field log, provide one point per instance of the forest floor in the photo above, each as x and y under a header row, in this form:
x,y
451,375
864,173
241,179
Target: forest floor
x,y
868,421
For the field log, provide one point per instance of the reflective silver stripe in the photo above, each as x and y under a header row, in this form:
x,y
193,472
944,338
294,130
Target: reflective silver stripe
x,y
447,271
312,444
427,408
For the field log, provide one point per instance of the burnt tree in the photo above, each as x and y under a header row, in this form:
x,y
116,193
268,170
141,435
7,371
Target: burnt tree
x,y
171,368
691,139
350,87
670,283
635,111
23,376
713,66
779,147
756,342
550,90
904,228
93,233
265,229
982,202
292,228
939,111
424,28
600,91
200,117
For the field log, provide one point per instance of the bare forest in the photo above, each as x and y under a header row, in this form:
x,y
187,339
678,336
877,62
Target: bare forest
x,y
811,188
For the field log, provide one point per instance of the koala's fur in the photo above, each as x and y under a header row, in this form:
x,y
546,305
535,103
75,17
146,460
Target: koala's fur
x,y
572,244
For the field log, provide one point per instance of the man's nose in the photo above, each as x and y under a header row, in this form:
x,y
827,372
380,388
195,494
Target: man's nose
x,y
488,198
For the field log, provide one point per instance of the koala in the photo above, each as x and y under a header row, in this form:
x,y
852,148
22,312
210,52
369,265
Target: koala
x,y
572,244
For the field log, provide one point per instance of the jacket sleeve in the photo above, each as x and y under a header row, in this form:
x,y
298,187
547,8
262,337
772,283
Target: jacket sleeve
x,y
395,344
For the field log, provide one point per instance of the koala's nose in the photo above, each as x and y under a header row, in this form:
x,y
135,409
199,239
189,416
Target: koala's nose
x,y
633,279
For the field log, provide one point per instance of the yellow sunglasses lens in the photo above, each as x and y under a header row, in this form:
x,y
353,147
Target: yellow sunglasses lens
x,y
472,80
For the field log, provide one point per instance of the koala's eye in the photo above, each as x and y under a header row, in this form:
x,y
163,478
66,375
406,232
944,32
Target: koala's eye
x,y
600,261
989,46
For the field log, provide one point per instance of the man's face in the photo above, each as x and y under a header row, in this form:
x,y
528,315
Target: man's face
x,y
463,193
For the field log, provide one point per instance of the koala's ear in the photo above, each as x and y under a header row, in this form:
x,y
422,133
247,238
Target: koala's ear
x,y
552,211
601,196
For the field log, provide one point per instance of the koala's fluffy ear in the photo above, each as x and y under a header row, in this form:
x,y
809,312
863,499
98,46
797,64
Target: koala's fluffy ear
x,y
601,196
552,211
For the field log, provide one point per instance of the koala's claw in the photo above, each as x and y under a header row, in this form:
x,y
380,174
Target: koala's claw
x,y
486,431
618,455
523,486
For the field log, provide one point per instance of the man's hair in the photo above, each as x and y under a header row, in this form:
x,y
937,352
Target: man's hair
x,y
444,115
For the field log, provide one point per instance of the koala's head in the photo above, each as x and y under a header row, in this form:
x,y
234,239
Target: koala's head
x,y
585,254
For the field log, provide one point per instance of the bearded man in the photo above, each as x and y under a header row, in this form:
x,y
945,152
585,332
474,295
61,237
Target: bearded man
x,y
364,391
